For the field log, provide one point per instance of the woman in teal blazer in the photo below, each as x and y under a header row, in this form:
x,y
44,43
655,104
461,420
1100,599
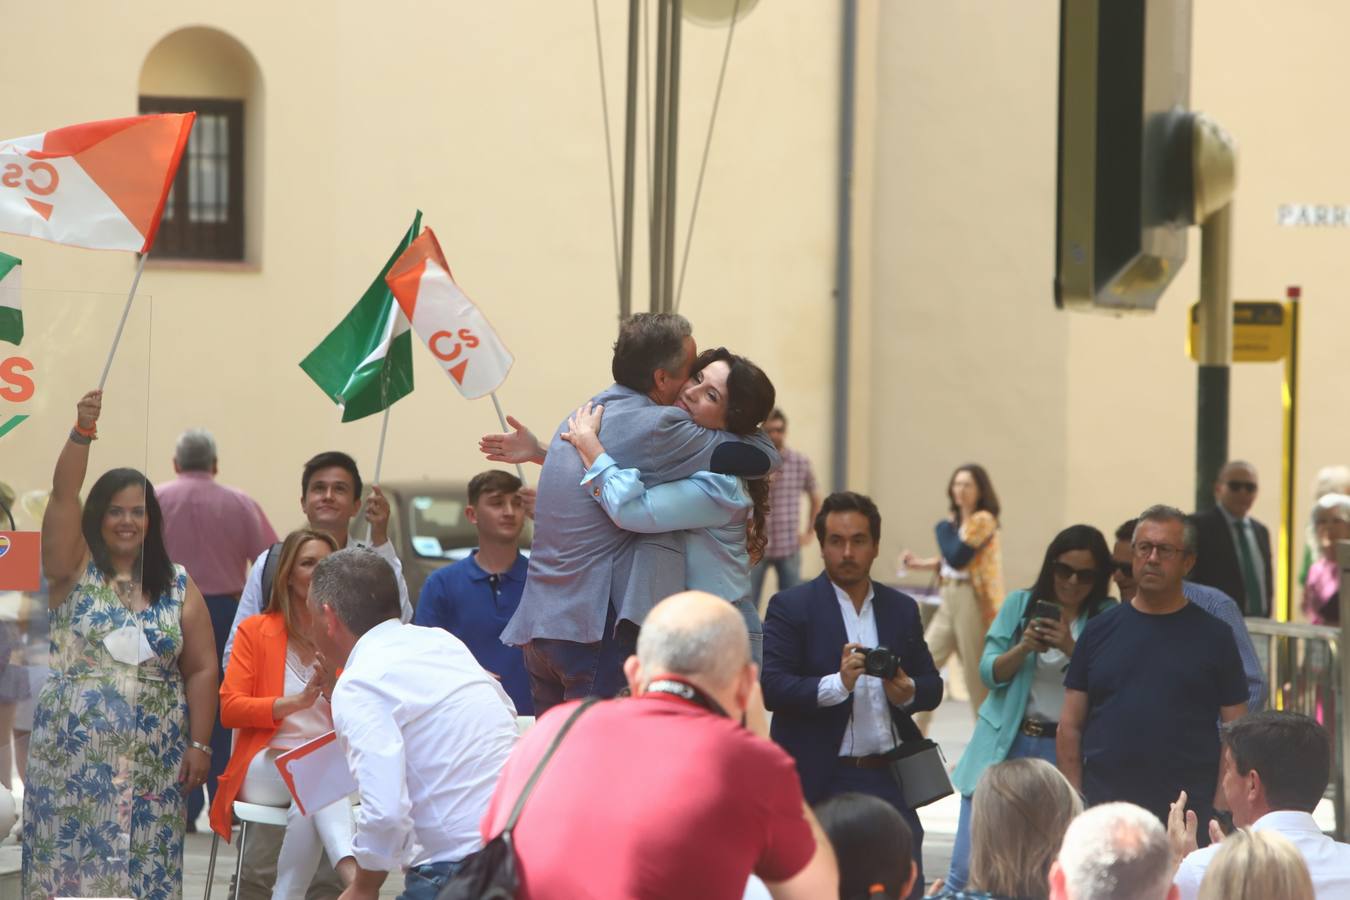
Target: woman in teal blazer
x,y
1023,666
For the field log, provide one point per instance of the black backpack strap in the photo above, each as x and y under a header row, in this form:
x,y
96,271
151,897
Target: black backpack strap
x,y
269,574
548,754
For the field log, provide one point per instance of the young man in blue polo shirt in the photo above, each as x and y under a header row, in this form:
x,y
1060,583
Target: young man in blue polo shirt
x,y
474,598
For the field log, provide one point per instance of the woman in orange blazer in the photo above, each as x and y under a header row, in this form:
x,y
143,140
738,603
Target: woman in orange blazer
x,y
273,695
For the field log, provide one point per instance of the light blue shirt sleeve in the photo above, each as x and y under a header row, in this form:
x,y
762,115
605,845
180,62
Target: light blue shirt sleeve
x,y
1225,609
697,502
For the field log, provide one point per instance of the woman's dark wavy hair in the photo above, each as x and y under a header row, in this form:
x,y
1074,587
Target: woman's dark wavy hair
x,y
872,843
750,400
157,573
988,499
1077,537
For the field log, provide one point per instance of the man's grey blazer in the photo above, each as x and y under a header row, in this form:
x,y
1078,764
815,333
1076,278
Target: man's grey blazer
x,y
580,561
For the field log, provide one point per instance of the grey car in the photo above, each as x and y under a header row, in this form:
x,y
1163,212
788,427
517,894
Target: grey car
x,y
428,527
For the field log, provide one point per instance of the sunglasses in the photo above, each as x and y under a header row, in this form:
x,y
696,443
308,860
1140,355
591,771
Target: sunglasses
x,y
1236,486
1124,568
1065,572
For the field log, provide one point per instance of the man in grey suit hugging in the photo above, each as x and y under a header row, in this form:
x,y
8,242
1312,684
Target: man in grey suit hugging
x,y
590,583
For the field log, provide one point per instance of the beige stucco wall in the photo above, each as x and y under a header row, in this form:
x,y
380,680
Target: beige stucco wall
x,y
968,352
1082,418
488,117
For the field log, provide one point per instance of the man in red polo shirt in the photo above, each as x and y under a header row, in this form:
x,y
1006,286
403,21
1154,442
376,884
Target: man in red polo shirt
x,y
665,794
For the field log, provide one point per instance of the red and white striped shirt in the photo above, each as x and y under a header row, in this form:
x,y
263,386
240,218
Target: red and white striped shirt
x,y
786,487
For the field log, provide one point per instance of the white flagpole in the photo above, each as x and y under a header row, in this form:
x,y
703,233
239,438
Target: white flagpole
x,y
379,455
501,417
379,462
126,310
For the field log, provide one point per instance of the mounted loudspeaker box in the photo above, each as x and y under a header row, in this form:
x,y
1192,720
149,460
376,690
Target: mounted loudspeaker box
x,y
1126,162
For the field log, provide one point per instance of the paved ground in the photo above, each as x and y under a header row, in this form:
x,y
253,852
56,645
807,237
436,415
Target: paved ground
x,y
951,727
196,856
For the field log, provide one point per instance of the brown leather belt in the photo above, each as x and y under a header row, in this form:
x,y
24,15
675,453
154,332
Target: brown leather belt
x,y
1039,729
875,761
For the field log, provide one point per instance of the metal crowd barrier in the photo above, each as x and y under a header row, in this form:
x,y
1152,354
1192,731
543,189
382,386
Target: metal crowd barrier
x,y
1305,674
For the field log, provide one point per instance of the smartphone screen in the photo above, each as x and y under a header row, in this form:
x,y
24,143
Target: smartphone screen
x,y
1044,609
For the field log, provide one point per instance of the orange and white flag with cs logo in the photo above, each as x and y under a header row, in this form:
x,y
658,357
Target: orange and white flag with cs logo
x,y
100,185
20,555
455,330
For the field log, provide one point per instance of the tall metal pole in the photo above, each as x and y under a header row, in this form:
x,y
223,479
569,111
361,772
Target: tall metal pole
x,y
843,249
1337,727
629,158
1282,609
1215,354
672,154
658,207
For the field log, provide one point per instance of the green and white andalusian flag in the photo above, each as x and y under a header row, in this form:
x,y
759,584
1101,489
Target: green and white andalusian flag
x,y
11,315
365,363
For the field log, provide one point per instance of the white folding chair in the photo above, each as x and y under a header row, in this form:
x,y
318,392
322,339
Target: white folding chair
x,y
246,813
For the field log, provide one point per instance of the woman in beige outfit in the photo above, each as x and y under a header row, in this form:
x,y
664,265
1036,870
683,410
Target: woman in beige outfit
x,y
970,578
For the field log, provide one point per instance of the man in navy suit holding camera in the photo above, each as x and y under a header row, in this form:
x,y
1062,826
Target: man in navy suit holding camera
x,y
840,712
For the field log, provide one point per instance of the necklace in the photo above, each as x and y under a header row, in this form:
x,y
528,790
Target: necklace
x,y
127,590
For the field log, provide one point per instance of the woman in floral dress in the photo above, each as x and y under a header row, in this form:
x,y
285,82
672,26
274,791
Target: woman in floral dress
x,y
123,723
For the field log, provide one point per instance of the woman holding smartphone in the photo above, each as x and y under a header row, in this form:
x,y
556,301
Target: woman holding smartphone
x,y
1026,653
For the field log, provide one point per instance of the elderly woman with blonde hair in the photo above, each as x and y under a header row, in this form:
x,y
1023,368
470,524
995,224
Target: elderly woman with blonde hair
x,y
1257,865
1019,814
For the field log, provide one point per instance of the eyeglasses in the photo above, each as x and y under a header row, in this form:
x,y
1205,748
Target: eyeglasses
x,y
1237,486
1124,568
1065,572
1143,550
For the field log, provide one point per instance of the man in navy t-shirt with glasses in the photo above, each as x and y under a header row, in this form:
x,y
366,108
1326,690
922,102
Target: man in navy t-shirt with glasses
x,y
1148,684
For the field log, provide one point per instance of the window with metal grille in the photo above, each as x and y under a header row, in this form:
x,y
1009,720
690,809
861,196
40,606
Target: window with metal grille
x,y
204,214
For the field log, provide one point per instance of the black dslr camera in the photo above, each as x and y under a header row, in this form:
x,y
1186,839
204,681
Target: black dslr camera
x,y
880,662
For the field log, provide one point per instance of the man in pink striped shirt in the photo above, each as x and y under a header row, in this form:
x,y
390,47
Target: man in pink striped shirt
x,y
214,532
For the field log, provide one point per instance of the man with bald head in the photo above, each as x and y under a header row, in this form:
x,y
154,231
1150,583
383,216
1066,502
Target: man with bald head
x,y
665,793
1234,548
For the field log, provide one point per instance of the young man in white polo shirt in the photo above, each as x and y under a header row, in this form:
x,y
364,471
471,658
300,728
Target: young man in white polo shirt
x,y
1275,768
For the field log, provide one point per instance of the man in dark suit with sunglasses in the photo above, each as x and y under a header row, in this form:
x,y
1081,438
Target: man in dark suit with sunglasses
x,y
1234,548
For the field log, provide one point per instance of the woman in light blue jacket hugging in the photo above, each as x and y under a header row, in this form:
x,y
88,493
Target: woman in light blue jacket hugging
x,y
722,516
1026,654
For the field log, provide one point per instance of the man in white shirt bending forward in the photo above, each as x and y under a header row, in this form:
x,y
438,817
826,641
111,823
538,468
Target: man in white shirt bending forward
x,y
425,729
1275,768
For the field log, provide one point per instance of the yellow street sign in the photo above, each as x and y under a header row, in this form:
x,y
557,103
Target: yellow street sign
x,y
1260,331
